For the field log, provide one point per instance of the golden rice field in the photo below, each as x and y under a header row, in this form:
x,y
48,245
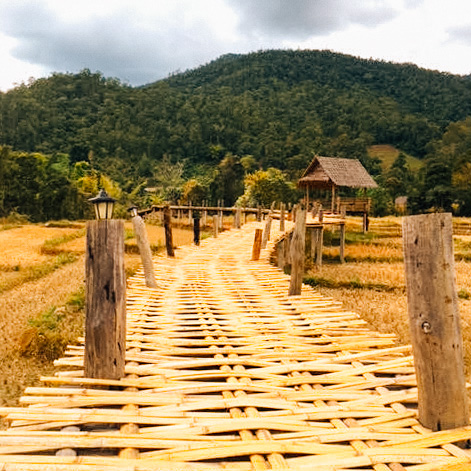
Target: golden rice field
x,y
372,282
41,295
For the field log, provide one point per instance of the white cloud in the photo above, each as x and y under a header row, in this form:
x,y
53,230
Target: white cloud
x,y
143,40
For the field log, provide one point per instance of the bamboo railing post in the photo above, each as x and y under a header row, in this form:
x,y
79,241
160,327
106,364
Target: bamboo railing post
x,y
196,227
282,217
257,244
142,240
297,250
168,231
342,243
215,226
105,300
434,321
266,231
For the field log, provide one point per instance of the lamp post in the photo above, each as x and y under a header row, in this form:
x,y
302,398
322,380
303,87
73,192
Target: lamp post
x,y
105,293
104,205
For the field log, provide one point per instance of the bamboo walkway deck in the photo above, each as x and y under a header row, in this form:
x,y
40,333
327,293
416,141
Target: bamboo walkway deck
x,y
226,372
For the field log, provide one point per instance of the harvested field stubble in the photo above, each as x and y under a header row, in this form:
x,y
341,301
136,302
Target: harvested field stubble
x,y
372,283
41,294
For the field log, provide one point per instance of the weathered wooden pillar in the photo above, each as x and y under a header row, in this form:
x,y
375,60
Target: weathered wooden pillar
x,y
196,227
321,214
215,226
282,217
190,214
168,231
144,249
266,232
297,253
342,243
105,300
259,213
257,244
293,213
434,321
245,215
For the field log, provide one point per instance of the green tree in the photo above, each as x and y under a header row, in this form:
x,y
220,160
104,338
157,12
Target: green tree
x,y
266,186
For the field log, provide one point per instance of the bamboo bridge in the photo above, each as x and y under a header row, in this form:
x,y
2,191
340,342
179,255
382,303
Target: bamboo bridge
x,y
225,371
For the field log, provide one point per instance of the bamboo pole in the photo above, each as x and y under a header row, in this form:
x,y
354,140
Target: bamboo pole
x,y
297,253
434,321
105,300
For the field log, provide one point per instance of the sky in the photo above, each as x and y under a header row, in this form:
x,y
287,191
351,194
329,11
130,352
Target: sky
x,y
141,41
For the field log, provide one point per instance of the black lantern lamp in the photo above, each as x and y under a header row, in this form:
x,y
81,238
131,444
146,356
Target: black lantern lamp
x,y
104,205
133,211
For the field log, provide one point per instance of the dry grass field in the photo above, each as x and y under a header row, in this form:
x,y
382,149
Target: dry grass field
x,y
372,282
41,295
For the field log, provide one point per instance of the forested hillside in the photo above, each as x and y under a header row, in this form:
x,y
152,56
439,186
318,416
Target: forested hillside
x,y
208,128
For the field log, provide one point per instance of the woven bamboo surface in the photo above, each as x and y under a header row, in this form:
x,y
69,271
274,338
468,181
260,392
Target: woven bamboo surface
x,y
226,372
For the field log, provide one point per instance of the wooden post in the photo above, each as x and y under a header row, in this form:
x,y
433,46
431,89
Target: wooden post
x,y
266,232
342,243
313,234
205,215
282,217
220,215
144,249
321,214
297,253
196,227
257,244
319,247
280,253
237,218
245,215
259,213
215,226
105,300
366,222
434,321
168,231
190,213
293,212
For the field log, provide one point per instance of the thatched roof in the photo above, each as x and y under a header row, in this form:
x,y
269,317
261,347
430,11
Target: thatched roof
x,y
325,172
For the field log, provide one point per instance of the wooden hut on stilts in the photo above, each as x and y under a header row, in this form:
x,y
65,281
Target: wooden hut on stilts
x,y
332,173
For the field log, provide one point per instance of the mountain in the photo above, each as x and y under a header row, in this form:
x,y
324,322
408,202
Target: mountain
x,y
281,107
